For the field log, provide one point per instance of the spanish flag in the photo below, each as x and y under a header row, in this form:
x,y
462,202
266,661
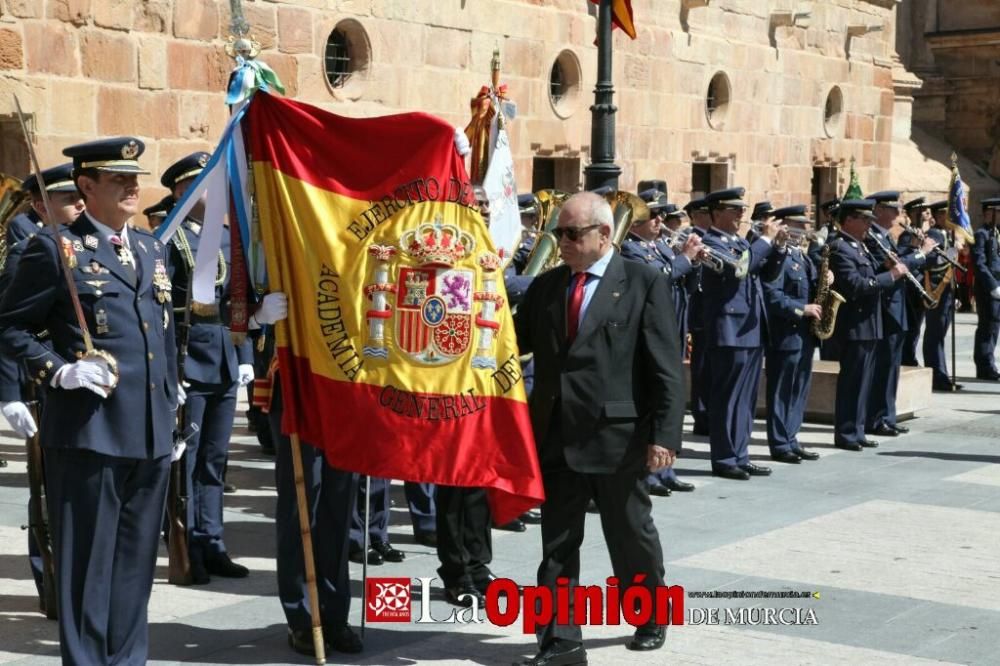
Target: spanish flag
x,y
621,15
399,357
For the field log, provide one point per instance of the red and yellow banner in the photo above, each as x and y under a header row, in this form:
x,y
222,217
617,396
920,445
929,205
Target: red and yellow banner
x,y
399,357
621,16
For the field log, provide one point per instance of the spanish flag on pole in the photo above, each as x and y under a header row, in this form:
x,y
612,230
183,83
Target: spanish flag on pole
x,y
399,357
621,15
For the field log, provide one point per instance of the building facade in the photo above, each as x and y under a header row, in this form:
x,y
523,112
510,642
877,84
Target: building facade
x,y
775,95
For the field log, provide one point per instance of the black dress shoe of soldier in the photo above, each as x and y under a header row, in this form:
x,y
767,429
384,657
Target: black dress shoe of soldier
x,y
678,486
648,638
516,525
882,430
199,574
342,639
374,557
558,653
869,443
901,430
988,375
659,490
806,455
532,517
301,642
789,457
848,446
731,472
462,595
756,470
221,565
388,553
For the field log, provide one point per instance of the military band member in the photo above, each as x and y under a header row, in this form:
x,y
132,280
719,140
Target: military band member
x,y
881,413
986,260
213,370
734,316
791,309
644,245
762,211
157,213
701,222
107,443
915,211
858,278
939,282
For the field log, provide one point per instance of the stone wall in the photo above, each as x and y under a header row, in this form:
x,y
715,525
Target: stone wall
x,y
156,69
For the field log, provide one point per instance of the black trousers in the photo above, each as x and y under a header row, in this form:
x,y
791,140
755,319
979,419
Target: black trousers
x,y
465,544
633,542
105,515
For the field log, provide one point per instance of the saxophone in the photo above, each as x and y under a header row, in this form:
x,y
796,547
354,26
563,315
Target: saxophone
x,y
827,299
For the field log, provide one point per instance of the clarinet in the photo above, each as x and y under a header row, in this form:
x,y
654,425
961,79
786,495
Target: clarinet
x,y
929,301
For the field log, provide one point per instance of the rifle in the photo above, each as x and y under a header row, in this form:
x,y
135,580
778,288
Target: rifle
x,y
38,515
178,559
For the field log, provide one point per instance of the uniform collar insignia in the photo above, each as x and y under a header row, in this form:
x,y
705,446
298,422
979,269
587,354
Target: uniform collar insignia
x,y
90,241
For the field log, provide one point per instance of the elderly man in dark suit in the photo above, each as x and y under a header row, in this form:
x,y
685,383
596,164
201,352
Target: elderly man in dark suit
x,y
606,408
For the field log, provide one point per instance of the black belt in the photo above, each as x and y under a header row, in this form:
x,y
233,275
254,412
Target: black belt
x,y
205,319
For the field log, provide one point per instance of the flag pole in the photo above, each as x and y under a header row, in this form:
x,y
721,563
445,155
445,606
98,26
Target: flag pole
x,y
364,554
243,48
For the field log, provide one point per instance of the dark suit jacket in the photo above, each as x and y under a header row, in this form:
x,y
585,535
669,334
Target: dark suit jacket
x,y
618,387
134,323
894,318
856,278
786,299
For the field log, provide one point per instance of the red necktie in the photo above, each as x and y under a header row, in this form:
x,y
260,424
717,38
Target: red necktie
x,y
575,303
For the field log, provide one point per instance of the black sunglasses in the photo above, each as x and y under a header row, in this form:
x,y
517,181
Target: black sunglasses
x,y
573,233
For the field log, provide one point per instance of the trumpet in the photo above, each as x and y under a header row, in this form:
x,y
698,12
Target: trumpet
x,y
676,239
804,236
929,301
718,261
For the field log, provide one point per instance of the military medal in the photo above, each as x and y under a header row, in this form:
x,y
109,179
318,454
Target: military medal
x,y
90,241
77,246
101,319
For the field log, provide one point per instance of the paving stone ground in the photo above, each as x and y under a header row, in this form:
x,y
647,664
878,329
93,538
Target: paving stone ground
x,y
901,544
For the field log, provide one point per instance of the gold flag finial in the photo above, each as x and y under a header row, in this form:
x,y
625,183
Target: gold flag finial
x,y
954,159
495,66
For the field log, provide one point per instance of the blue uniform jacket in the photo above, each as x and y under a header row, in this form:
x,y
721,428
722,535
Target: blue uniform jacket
x,y
936,265
12,376
894,297
856,278
212,358
786,299
133,322
659,255
694,291
986,259
733,309
22,226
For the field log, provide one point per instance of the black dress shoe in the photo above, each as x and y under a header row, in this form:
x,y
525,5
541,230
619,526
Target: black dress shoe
x,y
648,638
869,443
301,642
221,565
848,446
730,472
700,430
532,517
558,653
988,375
229,489
429,539
902,430
483,584
374,557
806,455
342,639
462,595
786,457
659,490
199,574
882,430
516,525
678,486
756,470
388,553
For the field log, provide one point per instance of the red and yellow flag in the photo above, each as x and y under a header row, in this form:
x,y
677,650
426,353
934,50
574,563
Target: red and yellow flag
x,y
621,15
399,357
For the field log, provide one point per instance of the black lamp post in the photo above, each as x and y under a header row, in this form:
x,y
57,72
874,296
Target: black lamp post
x,y
602,169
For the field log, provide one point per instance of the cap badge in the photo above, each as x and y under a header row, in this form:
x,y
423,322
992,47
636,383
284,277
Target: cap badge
x,y
130,150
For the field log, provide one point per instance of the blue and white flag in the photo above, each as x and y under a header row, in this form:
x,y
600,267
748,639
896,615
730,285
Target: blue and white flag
x,y
958,214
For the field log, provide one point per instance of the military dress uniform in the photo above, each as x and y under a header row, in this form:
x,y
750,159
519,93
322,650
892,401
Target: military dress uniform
x,y
913,302
734,319
881,412
790,346
696,327
938,270
859,328
986,262
211,370
107,459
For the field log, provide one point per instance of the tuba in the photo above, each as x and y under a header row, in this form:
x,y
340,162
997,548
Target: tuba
x,y
627,209
827,299
12,200
545,252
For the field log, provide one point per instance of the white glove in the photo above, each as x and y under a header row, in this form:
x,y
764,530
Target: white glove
x,y
462,142
182,395
245,372
19,417
272,309
178,451
91,374
995,293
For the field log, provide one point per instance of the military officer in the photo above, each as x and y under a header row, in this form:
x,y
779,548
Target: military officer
x,y
857,277
107,427
986,260
791,309
762,210
213,369
734,316
379,548
939,283
701,222
881,413
157,213
915,211
829,349
643,245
